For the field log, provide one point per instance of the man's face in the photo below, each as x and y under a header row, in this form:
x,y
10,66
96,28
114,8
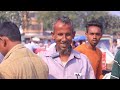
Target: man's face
x,y
63,35
93,35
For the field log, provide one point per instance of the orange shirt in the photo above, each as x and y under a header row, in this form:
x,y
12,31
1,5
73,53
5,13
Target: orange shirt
x,y
95,57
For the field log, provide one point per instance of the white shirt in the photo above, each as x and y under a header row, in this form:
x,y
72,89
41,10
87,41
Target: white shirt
x,y
1,57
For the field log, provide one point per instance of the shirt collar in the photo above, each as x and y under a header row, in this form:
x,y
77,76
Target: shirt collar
x,y
54,54
74,54
16,47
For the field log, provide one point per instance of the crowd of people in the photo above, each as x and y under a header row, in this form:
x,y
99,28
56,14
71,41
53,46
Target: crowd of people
x,y
62,59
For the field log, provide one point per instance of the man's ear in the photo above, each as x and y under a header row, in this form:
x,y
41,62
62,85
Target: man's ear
x,y
53,36
74,32
5,43
86,34
5,40
101,35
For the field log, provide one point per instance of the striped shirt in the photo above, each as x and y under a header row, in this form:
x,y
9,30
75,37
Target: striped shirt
x,y
115,74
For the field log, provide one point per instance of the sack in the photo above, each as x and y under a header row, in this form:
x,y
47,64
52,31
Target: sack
x,y
107,76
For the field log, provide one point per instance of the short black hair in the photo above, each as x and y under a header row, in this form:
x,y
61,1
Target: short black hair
x,y
10,30
94,23
64,19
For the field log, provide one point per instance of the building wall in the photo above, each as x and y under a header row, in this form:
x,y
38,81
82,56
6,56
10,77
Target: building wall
x,y
34,25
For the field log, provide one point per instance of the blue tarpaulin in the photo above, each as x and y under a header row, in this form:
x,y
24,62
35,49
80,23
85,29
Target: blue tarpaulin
x,y
78,38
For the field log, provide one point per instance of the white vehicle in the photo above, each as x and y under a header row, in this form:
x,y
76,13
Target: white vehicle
x,y
104,46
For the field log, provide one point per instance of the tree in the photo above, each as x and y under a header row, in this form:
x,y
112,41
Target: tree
x,y
14,16
48,17
80,18
25,19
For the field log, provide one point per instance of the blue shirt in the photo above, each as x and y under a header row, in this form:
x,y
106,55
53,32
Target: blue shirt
x,y
77,66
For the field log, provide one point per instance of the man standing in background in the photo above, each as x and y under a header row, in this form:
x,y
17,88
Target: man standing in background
x,y
93,34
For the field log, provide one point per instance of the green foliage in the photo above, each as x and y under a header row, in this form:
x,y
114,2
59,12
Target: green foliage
x,y
48,17
79,17
14,16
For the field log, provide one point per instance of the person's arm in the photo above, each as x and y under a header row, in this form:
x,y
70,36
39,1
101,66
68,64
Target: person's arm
x,y
90,72
115,74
